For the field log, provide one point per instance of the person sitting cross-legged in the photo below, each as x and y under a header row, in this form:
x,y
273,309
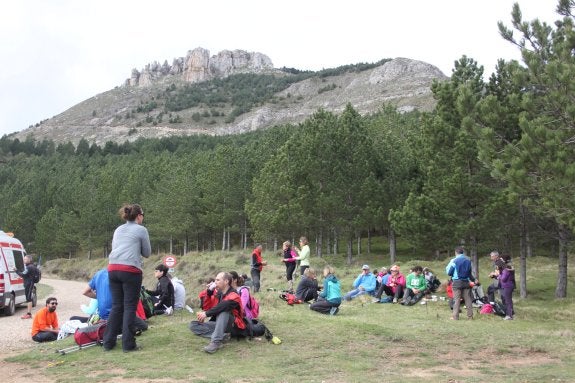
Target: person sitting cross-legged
x,y
225,315
416,287
363,284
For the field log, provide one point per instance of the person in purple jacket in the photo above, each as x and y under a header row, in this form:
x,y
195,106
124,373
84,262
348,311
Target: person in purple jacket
x,y
507,285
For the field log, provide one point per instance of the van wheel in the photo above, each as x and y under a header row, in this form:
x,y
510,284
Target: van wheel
x,y
11,308
34,297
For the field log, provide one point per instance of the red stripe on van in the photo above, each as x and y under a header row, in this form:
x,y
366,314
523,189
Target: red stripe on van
x,y
10,244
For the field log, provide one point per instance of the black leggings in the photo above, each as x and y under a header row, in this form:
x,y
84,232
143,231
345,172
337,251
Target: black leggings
x,y
290,268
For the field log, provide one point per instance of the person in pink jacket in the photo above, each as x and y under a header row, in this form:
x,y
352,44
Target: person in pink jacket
x,y
395,284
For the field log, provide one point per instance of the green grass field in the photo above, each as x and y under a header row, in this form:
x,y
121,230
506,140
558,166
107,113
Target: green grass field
x,y
365,342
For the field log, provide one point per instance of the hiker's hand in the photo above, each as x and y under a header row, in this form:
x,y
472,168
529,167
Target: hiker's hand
x,y
264,263
201,316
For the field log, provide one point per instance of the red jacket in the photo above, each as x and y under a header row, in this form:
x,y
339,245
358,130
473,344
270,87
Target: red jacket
x,y
208,299
230,301
257,259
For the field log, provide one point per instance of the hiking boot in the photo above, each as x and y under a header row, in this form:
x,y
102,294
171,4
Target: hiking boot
x,y
227,337
169,311
26,316
213,347
333,310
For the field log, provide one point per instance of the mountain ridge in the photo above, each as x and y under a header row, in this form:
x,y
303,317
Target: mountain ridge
x,y
141,106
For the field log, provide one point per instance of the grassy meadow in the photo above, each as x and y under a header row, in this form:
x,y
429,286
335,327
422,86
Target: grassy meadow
x,y
365,342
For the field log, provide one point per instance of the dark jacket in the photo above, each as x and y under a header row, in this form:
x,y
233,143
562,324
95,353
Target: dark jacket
x,y
306,289
164,291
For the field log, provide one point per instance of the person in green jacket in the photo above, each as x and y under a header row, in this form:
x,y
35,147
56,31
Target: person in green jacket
x,y
329,298
303,254
415,286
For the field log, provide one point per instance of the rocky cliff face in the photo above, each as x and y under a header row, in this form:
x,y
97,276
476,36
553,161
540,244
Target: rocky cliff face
x,y
113,115
198,66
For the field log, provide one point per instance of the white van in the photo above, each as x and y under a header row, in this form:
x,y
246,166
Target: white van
x,y
11,284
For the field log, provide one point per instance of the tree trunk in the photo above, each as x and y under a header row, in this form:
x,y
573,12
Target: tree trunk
x,y
561,290
523,245
392,246
171,245
319,246
474,257
335,246
224,240
358,243
349,250
368,242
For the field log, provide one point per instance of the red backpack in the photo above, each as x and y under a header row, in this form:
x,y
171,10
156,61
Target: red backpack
x,y
90,334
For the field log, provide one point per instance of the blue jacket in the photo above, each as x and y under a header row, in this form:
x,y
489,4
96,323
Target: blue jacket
x,y
459,268
366,280
331,289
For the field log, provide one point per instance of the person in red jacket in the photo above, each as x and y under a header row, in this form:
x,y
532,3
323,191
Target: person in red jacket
x,y
208,296
226,314
257,265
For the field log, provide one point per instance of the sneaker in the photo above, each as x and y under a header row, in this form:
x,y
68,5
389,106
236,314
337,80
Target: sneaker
x,y
423,302
508,318
213,347
333,310
394,300
375,300
26,316
169,311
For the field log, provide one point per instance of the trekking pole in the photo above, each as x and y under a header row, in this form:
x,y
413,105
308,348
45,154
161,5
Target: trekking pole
x,y
71,349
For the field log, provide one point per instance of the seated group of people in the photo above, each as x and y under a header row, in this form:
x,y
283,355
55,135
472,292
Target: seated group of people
x,y
168,295
390,285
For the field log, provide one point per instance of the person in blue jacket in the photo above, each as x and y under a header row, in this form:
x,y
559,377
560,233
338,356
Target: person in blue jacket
x,y
363,284
329,298
460,271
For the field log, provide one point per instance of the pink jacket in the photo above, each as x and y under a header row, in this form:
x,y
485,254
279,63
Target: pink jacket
x,y
393,281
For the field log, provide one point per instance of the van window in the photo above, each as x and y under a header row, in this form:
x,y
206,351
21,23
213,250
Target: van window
x,y
18,259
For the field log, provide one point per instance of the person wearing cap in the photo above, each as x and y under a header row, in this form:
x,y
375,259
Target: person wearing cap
x,y
395,285
363,284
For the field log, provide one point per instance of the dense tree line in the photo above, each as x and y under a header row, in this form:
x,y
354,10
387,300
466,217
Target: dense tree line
x,y
490,167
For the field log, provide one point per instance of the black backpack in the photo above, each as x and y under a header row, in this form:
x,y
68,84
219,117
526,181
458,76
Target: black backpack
x,y
37,275
254,328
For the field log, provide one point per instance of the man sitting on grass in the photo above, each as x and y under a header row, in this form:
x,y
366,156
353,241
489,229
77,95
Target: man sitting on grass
x,y
226,314
363,284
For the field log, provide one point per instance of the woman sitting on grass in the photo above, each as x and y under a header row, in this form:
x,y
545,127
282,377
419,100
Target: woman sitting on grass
x,y
329,298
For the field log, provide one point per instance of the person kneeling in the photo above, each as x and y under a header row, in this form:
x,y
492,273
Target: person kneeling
x,y
330,296
225,315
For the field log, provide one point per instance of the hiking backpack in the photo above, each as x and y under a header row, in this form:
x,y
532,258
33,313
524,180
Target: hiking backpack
x,y
90,334
37,275
254,328
252,304
290,298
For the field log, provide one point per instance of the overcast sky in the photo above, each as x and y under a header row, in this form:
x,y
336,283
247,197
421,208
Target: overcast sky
x,y
57,53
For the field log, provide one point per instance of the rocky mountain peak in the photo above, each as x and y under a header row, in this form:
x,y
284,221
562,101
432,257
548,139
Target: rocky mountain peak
x,y
198,66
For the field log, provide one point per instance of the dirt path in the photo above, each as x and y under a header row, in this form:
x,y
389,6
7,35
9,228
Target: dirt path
x,y
15,335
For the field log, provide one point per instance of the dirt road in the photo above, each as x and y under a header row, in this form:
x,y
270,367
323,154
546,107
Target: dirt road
x,y
15,335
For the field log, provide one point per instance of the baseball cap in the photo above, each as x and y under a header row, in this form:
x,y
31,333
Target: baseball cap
x,y
365,267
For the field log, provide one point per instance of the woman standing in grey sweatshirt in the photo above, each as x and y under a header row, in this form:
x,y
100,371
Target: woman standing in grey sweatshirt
x,y
129,244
